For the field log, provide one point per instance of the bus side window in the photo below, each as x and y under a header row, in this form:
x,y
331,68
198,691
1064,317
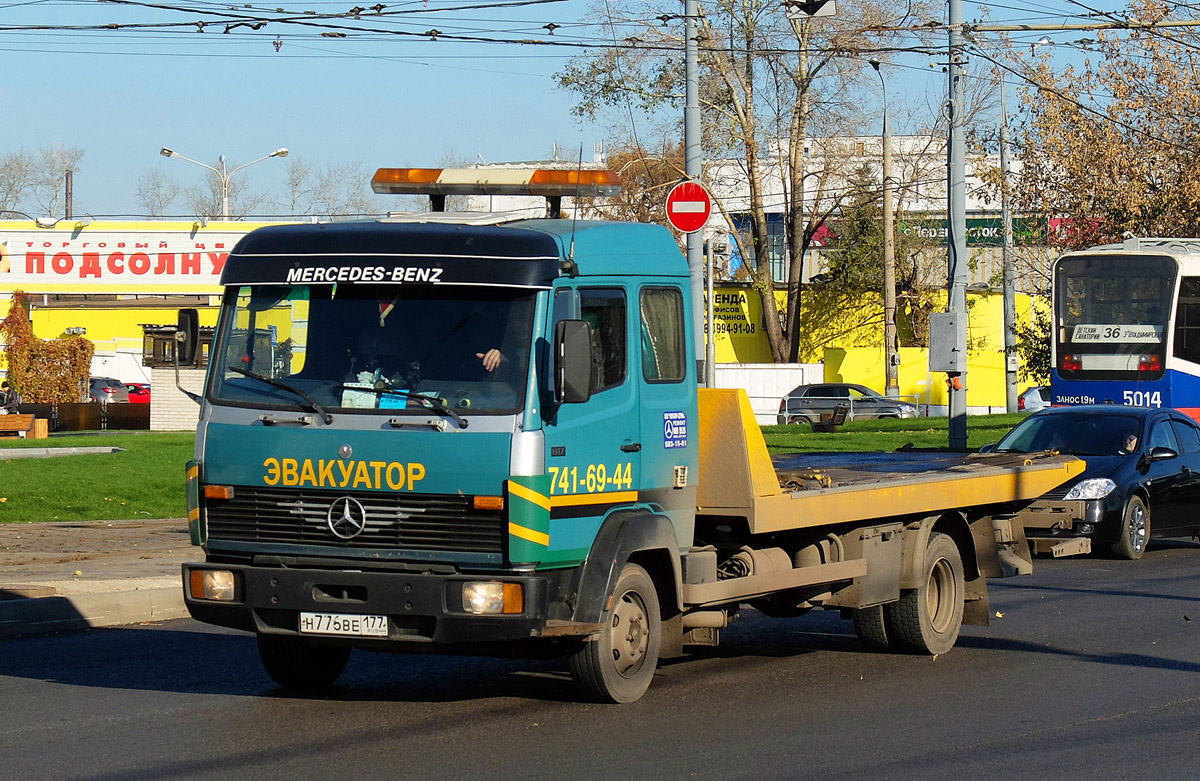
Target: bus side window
x,y
1187,320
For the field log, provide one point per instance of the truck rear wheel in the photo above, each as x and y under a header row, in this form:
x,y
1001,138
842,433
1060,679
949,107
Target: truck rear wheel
x,y
926,619
296,663
871,628
619,664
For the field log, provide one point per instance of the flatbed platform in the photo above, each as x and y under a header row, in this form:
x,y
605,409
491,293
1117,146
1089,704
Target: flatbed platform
x,y
739,478
817,470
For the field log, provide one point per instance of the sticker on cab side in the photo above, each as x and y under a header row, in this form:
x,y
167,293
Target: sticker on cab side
x,y
674,430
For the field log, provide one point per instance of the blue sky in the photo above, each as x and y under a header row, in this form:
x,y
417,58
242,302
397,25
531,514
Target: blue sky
x,y
375,99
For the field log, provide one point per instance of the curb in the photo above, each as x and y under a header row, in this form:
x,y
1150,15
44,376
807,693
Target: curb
x,y
87,611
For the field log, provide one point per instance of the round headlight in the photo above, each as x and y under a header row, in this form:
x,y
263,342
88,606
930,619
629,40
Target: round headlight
x,y
1093,488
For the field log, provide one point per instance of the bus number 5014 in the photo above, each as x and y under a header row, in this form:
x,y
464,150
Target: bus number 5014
x,y
1143,398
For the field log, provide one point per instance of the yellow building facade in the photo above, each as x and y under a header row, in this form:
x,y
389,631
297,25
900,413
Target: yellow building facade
x,y
846,335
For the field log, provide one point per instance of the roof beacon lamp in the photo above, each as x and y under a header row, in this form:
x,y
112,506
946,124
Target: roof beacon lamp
x,y
552,184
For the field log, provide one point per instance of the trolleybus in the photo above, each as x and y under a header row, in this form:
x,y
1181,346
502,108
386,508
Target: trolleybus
x,y
1127,325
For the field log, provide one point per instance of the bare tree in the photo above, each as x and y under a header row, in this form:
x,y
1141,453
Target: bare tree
x,y
156,191
17,173
53,163
298,181
338,191
343,190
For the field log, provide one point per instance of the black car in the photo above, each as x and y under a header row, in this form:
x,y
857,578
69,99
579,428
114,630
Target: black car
x,y
1142,464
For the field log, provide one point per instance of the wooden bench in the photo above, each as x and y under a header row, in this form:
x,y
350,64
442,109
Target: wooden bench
x,y
15,425
830,420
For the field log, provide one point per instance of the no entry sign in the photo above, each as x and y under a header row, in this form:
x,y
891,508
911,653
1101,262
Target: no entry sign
x,y
688,207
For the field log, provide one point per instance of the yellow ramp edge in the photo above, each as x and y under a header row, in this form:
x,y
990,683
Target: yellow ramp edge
x,y
923,494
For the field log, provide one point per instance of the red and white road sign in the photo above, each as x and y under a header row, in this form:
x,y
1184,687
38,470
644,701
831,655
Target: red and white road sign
x,y
688,207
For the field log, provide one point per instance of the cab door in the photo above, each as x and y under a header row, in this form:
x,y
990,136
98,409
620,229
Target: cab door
x,y
668,414
593,448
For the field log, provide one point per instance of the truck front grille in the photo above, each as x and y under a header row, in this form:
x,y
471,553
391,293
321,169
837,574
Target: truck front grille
x,y
426,522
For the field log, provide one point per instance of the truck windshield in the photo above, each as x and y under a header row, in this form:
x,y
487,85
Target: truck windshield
x,y
365,348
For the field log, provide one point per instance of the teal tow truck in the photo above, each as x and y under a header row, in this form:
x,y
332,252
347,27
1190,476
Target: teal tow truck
x,y
481,433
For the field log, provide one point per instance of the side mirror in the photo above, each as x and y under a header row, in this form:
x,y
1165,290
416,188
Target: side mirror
x,y
572,361
989,447
1161,454
187,337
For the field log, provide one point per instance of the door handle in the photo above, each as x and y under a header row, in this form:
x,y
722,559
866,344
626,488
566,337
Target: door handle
x,y
631,447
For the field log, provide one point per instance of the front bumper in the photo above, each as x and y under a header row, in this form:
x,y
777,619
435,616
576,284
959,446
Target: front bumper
x,y
423,609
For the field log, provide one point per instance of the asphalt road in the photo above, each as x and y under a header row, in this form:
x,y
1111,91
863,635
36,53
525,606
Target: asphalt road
x,y
1091,672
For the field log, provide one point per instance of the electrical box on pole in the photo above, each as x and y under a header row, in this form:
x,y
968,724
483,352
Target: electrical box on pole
x,y
947,331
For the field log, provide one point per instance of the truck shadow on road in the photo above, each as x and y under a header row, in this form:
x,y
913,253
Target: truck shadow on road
x,y
211,661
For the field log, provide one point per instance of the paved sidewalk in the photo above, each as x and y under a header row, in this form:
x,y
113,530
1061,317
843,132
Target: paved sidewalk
x,y
65,576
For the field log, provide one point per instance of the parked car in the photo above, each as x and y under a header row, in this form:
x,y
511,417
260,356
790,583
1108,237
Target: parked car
x,y
806,403
1034,398
109,390
139,392
1142,463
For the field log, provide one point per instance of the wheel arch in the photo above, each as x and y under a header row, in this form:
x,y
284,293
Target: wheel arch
x,y
629,536
954,525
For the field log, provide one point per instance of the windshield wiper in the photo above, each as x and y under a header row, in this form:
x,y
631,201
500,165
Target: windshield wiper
x,y
383,385
325,416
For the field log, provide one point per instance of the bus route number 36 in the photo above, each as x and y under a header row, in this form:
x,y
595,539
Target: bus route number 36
x,y
1143,398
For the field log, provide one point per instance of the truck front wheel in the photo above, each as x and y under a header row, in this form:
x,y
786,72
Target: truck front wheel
x,y
295,663
617,666
926,619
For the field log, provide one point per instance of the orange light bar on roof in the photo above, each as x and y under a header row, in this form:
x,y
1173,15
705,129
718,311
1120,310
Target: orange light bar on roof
x,y
549,176
546,182
402,176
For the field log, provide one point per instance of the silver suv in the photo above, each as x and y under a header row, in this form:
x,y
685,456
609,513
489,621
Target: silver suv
x,y
806,403
109,390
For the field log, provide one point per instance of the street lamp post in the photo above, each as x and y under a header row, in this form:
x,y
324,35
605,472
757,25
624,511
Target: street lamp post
x,y
223,175
892,382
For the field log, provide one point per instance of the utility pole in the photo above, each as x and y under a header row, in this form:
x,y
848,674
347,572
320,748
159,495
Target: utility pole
x,y
692,163
957,240
890,354
1010,282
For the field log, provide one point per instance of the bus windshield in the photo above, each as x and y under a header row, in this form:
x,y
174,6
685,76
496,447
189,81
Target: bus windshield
x,y
1111,315
365,348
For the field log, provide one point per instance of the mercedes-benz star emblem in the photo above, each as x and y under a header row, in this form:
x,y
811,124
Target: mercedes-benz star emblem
x,y
347,517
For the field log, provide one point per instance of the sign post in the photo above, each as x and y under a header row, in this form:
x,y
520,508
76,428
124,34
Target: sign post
x,y
688,208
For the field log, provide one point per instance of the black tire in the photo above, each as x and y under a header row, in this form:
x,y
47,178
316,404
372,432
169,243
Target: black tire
x,y
1135,530
926,620
296,663
619,664
871,628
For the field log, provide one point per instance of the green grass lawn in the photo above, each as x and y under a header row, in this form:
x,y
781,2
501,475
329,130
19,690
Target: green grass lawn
x,y
146,480
887,434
